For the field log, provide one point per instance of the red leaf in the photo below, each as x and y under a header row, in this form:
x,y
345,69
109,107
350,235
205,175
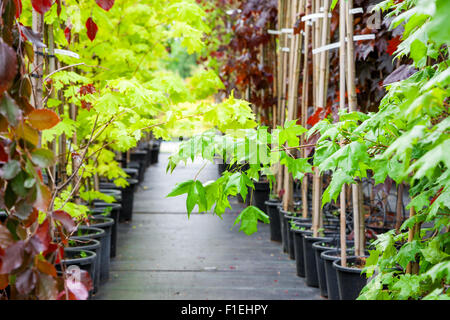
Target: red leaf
x,y
91,29
42,119
8,66
105,4
65,219
43,234
393,44
68,34
46,267
315,117
77,289
4,281
18,4
41,6
86,105
43,197
3,155
13,257
26,281
87,89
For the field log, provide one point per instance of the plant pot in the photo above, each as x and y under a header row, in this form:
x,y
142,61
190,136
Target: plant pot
x,y
261,194
117,194
111,210
350,280
90,245
274,218
154,154
127,198
71,258
132,172
309,257
89,232
289,237
141,169
298,247
320,247
106,224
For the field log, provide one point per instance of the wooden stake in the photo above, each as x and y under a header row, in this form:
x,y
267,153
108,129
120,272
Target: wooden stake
x,y
358,225
305,102
342,64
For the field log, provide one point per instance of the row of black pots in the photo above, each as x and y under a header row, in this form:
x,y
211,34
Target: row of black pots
x,y
92,246
317,258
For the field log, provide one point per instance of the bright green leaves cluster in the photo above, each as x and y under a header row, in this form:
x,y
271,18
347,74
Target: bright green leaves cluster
x,y
392,283
195,194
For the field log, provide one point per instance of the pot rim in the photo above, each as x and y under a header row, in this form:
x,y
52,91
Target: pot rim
x,y
337,266
95,245
100,233
86,260
325,255
109,221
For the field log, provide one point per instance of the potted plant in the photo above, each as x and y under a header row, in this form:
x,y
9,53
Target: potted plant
x,y
89,245
89,232
350,279
106,224
274,217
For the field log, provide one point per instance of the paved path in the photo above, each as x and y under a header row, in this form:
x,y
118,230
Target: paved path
x,y
162,254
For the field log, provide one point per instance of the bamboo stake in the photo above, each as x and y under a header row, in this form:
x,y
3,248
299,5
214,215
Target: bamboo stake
x,y
342,63
351,92
304,109
320,103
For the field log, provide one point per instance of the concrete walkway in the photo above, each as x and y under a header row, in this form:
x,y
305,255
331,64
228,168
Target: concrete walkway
x,y
162,254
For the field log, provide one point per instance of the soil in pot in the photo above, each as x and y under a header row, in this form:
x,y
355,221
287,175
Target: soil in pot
x,y
91,245
106,224
111,210
274,218
350,279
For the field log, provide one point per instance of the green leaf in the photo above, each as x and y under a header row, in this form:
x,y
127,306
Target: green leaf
x,y
249,219
181,188
42,157
11,169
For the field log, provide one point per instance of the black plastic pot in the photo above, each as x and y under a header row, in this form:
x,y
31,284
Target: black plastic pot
x,y
154,154
289,237
350,280
117,194
90,245
132,172
274,217
90,232
140,167
84,263
298,247
311,274
322,246
106,224
126,213
261,194
111,210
